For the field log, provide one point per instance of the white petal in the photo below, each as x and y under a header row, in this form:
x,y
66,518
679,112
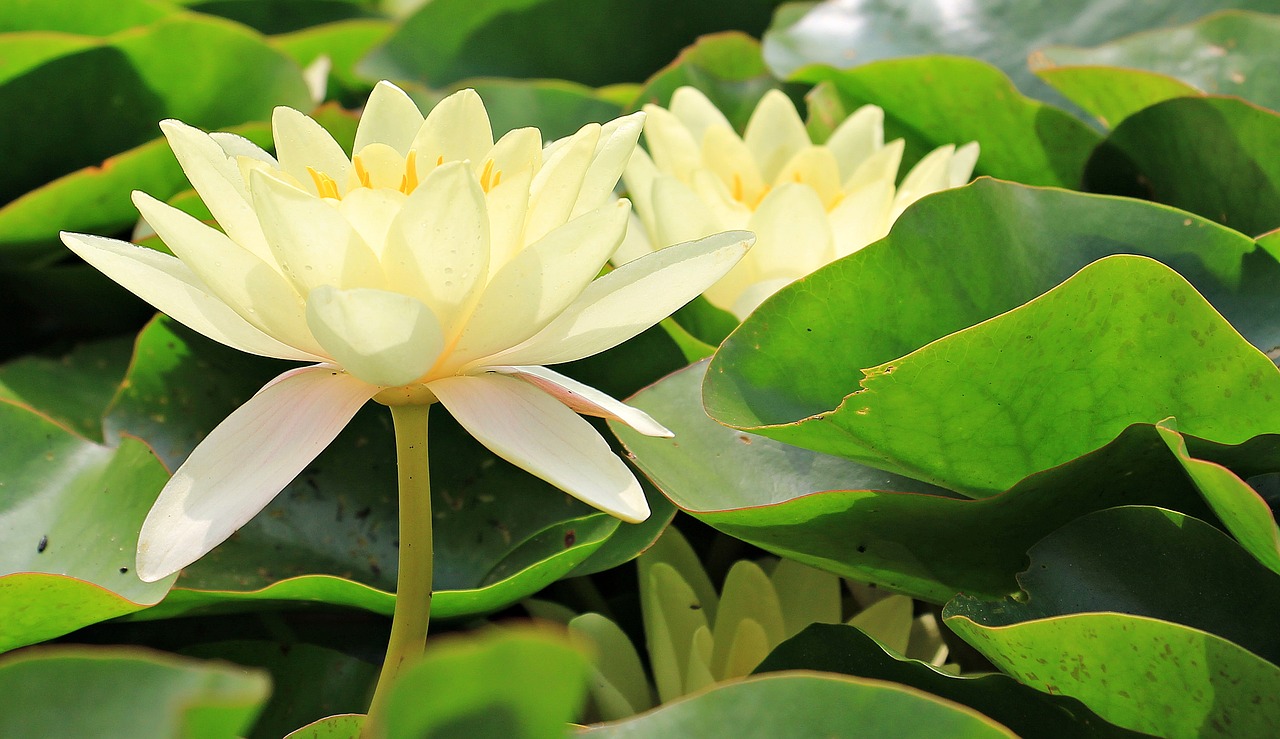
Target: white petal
x,y
930,175
637,180
962,164
793,235
555,188
585,399
696,112
507,204
726,155
245,283
390,117
237,146
755,294
384,338
534,431
169,285
857,138
217,178
679,214
302,143
371,212
541,281
634,245
815,167
313,243
775,133
672,146
862,217
880,166
438,247
630,299
244,463
613,150
456,129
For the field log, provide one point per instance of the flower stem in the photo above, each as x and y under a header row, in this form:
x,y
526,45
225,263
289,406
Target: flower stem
x,y
413,582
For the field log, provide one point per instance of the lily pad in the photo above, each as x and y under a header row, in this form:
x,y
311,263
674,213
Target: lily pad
x,y
935,100
69,522
123,693
344,43
847,651
806,704
855,314
556,107
1210,155
1228,53
1136,672
82,16
73,390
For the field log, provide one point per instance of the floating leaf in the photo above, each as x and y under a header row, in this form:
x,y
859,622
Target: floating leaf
x,y
73,390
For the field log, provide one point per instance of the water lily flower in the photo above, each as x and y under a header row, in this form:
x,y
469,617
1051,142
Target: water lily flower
x,y
808,204
433,265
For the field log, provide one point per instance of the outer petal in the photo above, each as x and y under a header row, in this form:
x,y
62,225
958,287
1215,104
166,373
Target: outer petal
x,y
962,164
857,138
556,187
679,215
862,217
302,143
244,463
456,129
384,338
542,281
775,133
725,154
671,145
585,399
630,299
390,117
696,112
534,431
880,166
930,175
217,178
613,150
173,288
793,235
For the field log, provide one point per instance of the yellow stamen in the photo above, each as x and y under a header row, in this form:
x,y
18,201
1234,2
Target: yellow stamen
x,y
409,182
361,173
440,160
326,187
737,187
497,177
486,175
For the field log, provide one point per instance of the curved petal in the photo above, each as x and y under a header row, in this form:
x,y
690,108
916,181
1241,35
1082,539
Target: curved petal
x,y
630,299
556,186
541,281
237,146
534,431
671,145
169,285
962,164
584,399
857,138
724,154
613,150
697,112
679,215
457,129
816,167
930,175
301,143
384,338
862,217
775,133
244,463
216,177
390,117
438,246
880,166
793,234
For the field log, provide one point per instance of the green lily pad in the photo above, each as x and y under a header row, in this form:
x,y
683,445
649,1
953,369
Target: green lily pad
x,y
1228,53
342,726
935,100
82,16
345,43
848,651
123,693
806,704
444,41
73,390
843,34
205,71
556,107
330,536
523,683
69,525
1002,245
284,16
880,527
727,67
1210,155
1136,672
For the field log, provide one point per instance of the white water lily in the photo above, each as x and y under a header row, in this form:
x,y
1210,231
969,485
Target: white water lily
x,y
808,204
434,264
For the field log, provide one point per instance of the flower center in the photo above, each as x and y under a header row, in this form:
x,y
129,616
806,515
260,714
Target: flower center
x,y
327,186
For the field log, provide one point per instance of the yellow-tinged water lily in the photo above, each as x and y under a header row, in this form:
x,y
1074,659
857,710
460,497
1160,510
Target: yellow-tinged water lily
x,y
808,204
434,264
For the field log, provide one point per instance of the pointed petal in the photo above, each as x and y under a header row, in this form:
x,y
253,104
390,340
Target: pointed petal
x,y
815,167
862,217
726,155
390,117
930,175
438,247
793,235
534,431
630,299
169,285
384,338
238,146
313,243
302,143
216,177
857,138
697,112
962,164
879,167
671,145
637,180
371,212
584,399
775,133
244,463
456,129
245,283
541,281
679,214
555,188
507,204
613,150
634,245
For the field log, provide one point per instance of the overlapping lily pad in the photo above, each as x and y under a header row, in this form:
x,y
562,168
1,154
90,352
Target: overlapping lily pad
x,y
124,693
1228,53
984,408
1210,155
73,390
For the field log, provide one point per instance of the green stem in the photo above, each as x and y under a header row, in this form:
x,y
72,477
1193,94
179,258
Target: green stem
x,y
413,582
